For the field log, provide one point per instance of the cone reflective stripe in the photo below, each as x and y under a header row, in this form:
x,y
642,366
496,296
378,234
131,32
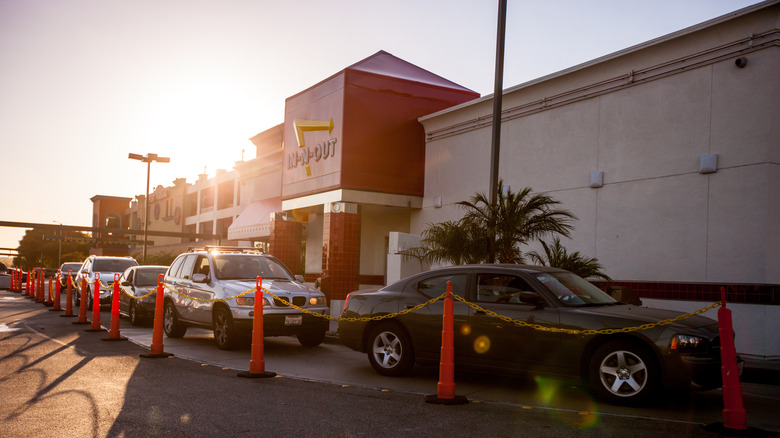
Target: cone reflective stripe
x,y
69,297
96,304
733,410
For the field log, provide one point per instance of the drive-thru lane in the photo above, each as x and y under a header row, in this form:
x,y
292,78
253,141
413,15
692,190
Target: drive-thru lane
x,y
332,363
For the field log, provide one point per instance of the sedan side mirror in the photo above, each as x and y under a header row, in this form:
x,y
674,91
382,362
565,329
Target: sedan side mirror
x,y
125,283
299,278
199,278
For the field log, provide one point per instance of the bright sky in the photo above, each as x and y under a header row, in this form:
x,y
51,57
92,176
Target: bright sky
x,y
85,82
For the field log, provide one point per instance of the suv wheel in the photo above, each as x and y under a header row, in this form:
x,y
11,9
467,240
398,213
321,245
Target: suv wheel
x,y
224,331
311,338
171,325
390,350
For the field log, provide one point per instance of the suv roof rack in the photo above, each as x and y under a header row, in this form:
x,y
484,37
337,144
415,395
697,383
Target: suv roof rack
x,y
214,248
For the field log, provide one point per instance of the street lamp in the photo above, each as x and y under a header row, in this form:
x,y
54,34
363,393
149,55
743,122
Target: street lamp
x,y
59,250
148,160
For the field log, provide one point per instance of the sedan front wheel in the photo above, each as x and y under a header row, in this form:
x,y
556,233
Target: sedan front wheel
x,y
623,372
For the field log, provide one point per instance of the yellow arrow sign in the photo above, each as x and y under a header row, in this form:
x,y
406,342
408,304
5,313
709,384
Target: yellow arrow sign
x,y
303,125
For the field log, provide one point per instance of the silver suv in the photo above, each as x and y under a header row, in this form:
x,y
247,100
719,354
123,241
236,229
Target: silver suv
x,y
202,287
106,266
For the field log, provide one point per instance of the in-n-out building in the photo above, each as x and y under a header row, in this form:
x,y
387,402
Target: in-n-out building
x,y
668,152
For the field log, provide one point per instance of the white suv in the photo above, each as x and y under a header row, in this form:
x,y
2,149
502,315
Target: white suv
x,y
207,281
105,265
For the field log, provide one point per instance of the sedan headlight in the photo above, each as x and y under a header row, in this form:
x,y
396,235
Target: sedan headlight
x,y
685,343
317,301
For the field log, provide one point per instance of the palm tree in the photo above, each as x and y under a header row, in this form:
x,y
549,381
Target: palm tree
x,y
516,219
557,256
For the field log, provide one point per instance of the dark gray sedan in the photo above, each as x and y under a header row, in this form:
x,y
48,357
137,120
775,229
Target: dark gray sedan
x,y
620,367
139,281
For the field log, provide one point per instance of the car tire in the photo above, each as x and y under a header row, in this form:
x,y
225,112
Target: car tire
x,y
311,338
390,350
89,300
224,331
623,372
132,313
171,325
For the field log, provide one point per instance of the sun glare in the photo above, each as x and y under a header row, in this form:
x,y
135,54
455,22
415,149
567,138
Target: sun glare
x,y
201,123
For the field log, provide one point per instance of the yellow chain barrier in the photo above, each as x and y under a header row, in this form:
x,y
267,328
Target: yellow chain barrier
x,y
585,332
122,288
212,300
457,298
361,319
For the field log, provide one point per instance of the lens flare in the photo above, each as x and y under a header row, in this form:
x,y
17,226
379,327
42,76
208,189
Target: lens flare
x,y
583,416
465,330
482,344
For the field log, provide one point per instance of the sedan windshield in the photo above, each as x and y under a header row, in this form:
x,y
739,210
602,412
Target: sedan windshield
x,y
243,267
571,290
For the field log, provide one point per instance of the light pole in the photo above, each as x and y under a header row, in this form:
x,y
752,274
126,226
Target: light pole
x,y
148,160
59,249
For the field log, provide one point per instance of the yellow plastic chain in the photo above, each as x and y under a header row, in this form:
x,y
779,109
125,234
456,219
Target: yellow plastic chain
x,y
458,298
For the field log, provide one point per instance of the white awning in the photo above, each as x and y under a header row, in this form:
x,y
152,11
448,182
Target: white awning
x,y
255,221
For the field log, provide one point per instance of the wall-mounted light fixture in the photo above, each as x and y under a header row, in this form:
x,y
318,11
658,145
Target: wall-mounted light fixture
x,y
708,163
437,202
596,180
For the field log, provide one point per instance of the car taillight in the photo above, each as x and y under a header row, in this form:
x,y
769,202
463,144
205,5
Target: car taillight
x,y
346,300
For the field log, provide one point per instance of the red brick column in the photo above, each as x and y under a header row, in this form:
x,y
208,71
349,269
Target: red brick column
x,y
285,243
341,249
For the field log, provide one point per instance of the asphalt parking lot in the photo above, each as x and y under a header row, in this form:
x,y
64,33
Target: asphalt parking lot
x,y
59,380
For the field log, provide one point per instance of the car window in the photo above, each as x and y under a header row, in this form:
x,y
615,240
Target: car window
x,y
434,286
113,265
249,267
186,268
147,277
572,290
202,266
501,288
173,271
128,275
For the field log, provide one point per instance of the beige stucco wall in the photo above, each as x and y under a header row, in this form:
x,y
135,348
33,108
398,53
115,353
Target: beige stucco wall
x,y
643,117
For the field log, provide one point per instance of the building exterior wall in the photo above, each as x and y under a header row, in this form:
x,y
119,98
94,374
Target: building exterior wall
x,y
643,117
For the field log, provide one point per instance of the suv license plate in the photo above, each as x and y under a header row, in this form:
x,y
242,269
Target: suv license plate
x,y
293,320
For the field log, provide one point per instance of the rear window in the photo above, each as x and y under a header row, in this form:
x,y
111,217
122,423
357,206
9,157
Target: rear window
x,y
147,277
113,265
